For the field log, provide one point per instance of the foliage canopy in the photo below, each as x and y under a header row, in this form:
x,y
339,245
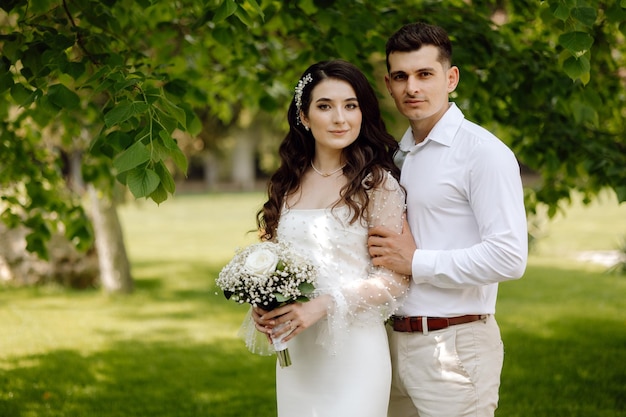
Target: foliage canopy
x,y
114,81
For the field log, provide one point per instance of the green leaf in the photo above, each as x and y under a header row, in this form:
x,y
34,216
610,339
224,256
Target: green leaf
x,y
11,46
6,81
77,228
132,157
576,42
281,265
98,75
268,103
21,95
244,17
46,111
256,8
5,63
621,191
584,113
152,94
32,58
60,42
159,152
63,97
36,243
73,69
346,47
576,68
176,87
175,153
123,111
306,288
10,219
166,121
173,110
585,15
222,35
168,141
159,195
167,181
39,235
180,160
124,84
194,125
114,143
8,5
226,9
561,12
142,181
280,298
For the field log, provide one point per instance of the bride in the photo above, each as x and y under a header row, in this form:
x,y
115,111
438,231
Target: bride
x,y
336,179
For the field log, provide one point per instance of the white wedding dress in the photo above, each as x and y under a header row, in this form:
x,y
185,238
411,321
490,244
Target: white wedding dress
x,y
341,365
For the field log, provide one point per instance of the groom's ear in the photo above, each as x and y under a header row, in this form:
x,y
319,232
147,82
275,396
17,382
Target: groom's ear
x,y
453,78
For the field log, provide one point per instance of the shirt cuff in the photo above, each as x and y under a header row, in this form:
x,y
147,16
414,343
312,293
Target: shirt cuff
x,y
423,265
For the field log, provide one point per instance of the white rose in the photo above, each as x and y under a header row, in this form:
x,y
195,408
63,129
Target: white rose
x,y
261,262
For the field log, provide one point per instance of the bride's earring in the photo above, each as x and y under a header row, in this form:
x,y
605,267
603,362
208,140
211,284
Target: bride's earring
x,y
306,128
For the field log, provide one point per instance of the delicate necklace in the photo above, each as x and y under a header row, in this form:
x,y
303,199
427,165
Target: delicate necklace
x,y
327,174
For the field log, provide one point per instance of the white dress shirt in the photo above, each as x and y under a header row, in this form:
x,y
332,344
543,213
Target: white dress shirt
x,y
466,211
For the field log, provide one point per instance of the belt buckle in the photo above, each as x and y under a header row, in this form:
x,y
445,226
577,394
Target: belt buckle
x,y
395,319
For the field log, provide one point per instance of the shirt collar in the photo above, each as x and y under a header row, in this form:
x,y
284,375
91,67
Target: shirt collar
x,y
443,132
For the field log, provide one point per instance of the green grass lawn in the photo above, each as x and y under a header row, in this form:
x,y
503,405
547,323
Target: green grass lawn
x,y
171,349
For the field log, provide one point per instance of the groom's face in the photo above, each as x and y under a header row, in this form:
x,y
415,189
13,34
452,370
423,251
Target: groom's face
x,y
420,83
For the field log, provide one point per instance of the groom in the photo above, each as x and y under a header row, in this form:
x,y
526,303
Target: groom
x,y
466,214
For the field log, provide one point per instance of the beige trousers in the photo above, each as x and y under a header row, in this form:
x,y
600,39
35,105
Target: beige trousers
x,y
454,372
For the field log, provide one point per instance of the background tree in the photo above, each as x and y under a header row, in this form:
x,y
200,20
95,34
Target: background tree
x,y
114,83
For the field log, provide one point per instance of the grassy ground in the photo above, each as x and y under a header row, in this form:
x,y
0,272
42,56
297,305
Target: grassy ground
x,y
170,349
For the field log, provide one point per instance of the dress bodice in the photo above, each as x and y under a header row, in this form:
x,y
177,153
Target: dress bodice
x,y
337,247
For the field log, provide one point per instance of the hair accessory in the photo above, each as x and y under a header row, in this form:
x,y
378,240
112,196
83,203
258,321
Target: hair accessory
x,y
298,98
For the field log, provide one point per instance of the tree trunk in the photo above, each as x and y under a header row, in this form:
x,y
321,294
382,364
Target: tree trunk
x,y
115,273
211,169
243,158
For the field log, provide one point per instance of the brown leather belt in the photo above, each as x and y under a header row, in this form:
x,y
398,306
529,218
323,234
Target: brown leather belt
x,y
415,324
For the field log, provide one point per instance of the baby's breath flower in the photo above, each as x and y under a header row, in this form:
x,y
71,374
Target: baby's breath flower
x,y
292,278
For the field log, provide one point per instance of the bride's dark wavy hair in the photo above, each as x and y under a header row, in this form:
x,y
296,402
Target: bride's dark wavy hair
x,y
372,151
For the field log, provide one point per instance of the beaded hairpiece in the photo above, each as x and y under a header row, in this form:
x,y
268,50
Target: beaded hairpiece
x,y
299,88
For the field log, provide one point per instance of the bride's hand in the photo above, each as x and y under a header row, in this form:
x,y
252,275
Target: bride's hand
x,y
296,317
262,325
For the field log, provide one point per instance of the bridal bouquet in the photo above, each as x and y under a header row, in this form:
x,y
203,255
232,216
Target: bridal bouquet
x,y
268,275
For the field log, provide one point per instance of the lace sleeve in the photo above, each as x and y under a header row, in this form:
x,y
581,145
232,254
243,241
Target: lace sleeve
x,y
256,342
375,298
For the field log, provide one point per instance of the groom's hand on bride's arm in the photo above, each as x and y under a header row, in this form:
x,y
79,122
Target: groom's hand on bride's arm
x,y
392,250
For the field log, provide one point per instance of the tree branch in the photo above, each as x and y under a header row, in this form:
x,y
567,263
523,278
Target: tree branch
x,y
79,36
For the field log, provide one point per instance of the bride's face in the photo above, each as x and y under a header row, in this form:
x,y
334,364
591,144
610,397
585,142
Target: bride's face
x,y
334,115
